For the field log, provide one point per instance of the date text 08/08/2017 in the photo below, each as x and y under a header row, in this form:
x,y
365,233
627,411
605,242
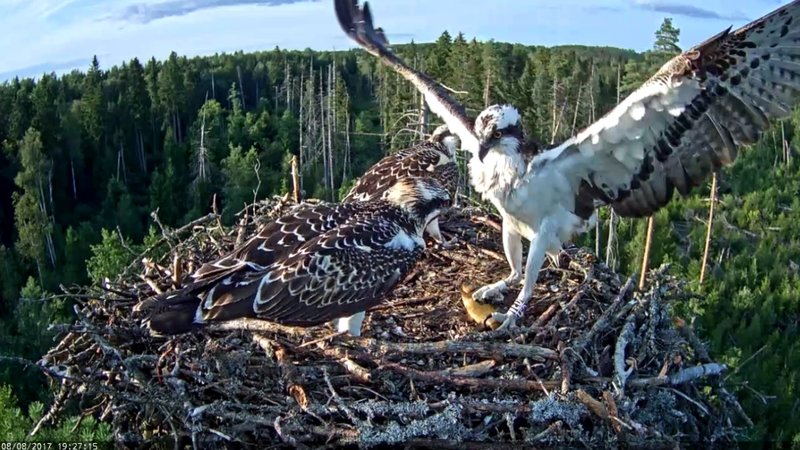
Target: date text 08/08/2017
x,y
49,445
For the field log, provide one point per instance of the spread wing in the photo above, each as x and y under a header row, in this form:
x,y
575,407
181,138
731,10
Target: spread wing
x,y
336,274
688,119
357,23
422,160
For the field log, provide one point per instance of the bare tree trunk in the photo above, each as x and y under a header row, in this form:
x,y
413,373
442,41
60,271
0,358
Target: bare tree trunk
x,y
712,202
241,86
646,256
557,125
121,164
611,260
287,84
51,253
202,152
295,180
74,185
591,93
597,236
487,88
423,116
213,86
346,169
382,101
577,108
179,131
331,118
140,150
301,128
50,189
325,161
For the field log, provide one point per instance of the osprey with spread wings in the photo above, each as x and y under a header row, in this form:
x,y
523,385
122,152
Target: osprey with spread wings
x,y
683,123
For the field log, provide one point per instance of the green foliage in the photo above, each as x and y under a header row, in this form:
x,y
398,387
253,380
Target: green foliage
x,y
16,424
30,207
24,333
667,37
242,174
110,256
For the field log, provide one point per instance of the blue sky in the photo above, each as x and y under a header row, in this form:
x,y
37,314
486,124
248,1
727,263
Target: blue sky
x,y
59,35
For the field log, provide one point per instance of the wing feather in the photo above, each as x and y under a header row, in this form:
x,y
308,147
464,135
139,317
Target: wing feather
x,y
357,23
337,274
422,160
689,118
275,240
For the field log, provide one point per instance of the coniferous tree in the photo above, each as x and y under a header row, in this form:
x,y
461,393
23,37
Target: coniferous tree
x,y
33,224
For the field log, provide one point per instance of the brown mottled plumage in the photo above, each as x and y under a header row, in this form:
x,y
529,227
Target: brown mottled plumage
x,y
315,264
434,158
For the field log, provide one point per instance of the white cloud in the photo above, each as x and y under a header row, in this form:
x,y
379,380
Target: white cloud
x,y
53,33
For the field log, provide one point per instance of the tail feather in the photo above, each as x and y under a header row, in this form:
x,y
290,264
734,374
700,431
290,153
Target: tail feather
x,y
175,315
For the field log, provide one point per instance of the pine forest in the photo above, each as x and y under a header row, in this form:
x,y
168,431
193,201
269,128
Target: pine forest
x,y
93,163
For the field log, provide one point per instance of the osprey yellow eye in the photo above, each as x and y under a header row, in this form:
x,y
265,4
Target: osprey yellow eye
x,y
497,134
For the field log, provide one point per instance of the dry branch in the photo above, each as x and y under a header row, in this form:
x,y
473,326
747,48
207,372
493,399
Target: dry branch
x,y
423,374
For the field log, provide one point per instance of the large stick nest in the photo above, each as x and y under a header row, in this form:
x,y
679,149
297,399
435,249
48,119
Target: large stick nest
x,y
593,363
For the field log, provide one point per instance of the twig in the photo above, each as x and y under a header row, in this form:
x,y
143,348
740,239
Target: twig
x,y
593,405
361,374
485,349
701,371
475,383
293,380
621,374
487,221
689,399
453,90
749,358
447,444
544,319
472,370
256,325
613,412
688,333
567,364
728,398
492,254
603,323
399,304
683,376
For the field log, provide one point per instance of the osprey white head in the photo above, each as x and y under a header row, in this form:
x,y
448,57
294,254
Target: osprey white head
x,y
498,128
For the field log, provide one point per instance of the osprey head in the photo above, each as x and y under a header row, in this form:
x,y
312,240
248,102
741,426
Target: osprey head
x,y
423,197
443,136
498,128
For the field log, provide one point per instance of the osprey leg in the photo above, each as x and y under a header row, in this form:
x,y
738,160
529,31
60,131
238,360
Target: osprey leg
x,y
541,245
512,246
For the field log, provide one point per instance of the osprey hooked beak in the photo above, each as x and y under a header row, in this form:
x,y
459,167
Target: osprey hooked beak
x,y
483,150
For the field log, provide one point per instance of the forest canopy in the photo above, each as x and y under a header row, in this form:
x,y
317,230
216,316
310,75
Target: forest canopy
x,y
93,162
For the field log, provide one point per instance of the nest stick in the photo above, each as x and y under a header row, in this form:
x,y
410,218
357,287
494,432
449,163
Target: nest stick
x,y
604,323
475,383
485,349
621,374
